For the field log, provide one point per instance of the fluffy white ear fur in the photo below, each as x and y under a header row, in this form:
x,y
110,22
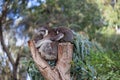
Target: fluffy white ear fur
x,y
46,33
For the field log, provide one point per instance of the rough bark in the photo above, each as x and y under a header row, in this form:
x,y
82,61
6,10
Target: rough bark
x,y
64,58
62,69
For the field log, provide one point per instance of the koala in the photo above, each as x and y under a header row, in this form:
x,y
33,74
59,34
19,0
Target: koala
x,y
46,46
64,34
49,38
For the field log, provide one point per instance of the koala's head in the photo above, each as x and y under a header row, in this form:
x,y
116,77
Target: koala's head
x,y
42,31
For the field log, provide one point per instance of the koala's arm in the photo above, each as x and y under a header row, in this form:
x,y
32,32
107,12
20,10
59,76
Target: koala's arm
x,y
57,37
43,41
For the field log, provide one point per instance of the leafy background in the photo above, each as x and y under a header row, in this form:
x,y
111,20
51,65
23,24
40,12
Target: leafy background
x,y
96,24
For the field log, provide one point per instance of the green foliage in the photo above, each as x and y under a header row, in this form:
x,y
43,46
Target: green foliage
x,y
78,15
109,39
33,71
92,16
110,12
81,67
107,65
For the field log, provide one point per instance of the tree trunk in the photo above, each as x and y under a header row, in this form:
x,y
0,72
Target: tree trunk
x,y
62,69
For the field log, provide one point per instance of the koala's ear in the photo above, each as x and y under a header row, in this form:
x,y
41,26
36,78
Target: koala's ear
x,y
46,33
35,31
57,32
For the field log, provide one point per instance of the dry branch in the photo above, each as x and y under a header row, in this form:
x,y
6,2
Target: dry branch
x,y
42,65
62,69
64,58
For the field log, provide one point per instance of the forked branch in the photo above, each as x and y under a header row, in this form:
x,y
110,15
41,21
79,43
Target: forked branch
x,y
62,69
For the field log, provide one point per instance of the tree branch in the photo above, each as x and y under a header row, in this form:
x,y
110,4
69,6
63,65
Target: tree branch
x,y
4,13
5,49
42,65
61,70
15,66
64,59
